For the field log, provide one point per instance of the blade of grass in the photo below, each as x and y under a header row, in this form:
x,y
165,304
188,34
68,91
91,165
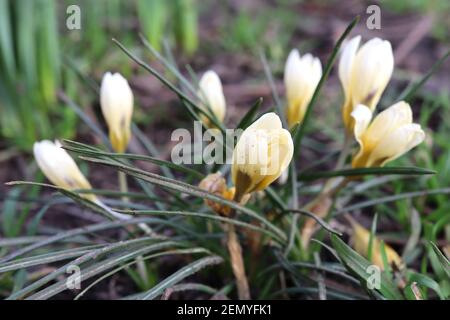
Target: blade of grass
x,y
401,196
409,93
189,189
304,176
180,275
299,134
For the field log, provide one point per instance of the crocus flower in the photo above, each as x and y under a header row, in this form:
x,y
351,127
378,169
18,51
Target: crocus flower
x,y
263,152
301,76
116,100
364,74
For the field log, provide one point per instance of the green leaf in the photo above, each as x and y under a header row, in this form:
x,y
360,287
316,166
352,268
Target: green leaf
x,y
69,145
181,274
152,17
10,213
250,115
273,88
393,198
187,101
299,134
7,59
125,251
189,189
358,265
426,281
305,176
442,259
409,93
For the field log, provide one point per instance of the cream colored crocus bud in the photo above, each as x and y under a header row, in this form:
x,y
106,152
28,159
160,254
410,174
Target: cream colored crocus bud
x,y
301,76
263,152
59,167
116,100
387,137
211,95
364,74
361,242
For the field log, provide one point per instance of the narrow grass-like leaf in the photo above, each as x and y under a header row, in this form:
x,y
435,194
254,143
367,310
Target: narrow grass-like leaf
x,y
250,115
305,176
299,134
180,275
426,281
147,257
373,231
46,258
200,215
408,94
358,265
401,196
98,267
129,156
172,87
189,189
88,121
318,220
275,96
90,256
442,259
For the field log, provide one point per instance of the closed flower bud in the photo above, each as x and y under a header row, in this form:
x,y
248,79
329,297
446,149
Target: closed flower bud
x,y
211,95
301,76
116,100
262,153
216,184
59,167
364,74
387,137
361,241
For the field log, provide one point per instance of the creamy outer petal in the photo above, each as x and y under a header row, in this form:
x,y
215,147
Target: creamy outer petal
x,y
267,121
362,116
292,75
316,71
346,62
372,70
282,150
267,142
387,121
212,91
301,77
396,144
58,166
116,99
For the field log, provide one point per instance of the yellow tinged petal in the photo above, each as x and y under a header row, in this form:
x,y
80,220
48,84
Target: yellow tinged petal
x,y
390,135
262,153
59,167
211,93
116,100
301,76
364,74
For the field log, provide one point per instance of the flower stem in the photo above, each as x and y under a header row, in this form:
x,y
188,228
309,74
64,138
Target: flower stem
x,y
237,262
140,263
123,185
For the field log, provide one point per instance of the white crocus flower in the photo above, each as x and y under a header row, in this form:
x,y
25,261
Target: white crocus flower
x,y
301,76
116,101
